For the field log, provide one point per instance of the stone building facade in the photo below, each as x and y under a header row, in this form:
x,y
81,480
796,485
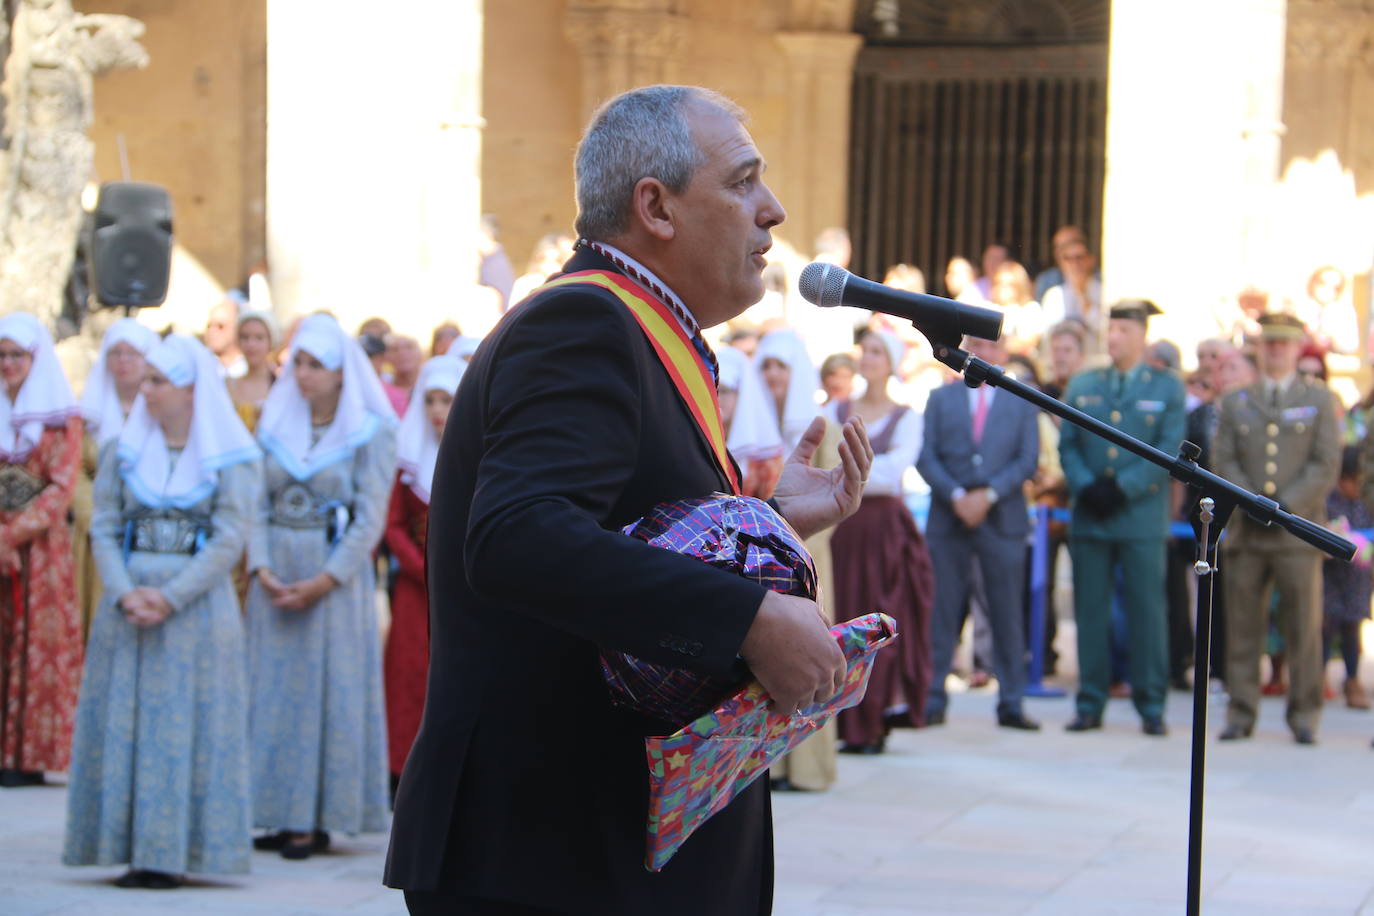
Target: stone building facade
x,y
1210,107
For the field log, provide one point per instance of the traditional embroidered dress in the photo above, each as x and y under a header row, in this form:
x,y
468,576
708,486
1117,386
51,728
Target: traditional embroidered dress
x,y
881,564
104,416
317,728
406,661
160,761
40,628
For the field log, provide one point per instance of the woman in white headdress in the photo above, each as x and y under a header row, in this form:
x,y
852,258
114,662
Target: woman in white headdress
x,y
317,731
790,377
258,338
881,561
406,661
751,426
159,774
109,395
463,347
40,627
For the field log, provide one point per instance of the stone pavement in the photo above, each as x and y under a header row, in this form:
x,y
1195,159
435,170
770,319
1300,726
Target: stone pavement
x,y
962,819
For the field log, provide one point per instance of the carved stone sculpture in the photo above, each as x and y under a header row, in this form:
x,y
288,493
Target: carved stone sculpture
x,y
55,53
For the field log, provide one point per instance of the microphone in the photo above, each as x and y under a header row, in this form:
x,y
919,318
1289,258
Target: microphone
x,y
944,321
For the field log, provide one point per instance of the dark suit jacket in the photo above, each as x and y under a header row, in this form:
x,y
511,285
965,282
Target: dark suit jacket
x,y
1004,460
524,783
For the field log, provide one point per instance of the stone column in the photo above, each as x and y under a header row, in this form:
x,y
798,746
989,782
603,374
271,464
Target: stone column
x,y
1192,140
624,44
1331,83
373,155
810,173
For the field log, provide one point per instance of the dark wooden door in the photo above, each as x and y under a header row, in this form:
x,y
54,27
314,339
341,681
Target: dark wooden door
x,y
955,147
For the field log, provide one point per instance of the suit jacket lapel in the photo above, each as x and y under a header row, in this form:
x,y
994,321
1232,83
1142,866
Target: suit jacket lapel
x,y
588,259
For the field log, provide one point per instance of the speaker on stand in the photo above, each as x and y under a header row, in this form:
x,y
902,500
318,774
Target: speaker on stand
x,y
130,245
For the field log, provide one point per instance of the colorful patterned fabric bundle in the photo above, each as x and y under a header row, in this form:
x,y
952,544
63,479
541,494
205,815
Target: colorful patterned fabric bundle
x,y
735,533
729,735
696,772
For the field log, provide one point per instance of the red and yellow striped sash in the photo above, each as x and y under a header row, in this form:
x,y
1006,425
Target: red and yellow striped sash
x,y
675,351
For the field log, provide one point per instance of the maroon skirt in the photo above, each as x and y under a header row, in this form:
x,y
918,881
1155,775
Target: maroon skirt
x,y
881,564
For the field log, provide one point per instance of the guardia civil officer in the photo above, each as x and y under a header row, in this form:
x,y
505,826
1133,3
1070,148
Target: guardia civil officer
x,y
1120,517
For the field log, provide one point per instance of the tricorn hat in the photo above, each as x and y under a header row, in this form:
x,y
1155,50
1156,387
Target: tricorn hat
x,y
1135,310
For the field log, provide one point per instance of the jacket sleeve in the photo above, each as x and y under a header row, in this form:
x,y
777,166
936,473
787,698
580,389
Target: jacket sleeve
x,y
398,539
561,440
1139,475
374,468
107,525
931,466
1323,465
1076,471
236,498
1008,481
61,453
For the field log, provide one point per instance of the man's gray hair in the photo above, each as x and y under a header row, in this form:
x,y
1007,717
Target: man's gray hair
x,y
639,134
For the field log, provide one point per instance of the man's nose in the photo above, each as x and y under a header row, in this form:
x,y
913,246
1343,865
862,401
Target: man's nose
x,y
771,212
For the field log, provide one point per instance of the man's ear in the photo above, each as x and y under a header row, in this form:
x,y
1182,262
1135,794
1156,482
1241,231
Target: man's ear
x,y
651,208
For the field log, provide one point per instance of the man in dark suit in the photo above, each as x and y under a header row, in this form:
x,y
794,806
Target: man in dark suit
x,y
980,446
526,790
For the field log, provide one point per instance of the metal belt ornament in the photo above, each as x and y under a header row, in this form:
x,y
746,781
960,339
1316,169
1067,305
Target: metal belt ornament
x,y
18,487
680,359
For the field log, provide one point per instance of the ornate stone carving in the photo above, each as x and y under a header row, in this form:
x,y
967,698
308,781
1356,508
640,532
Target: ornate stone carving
x,y
1325,39
55,55
624,46
821,15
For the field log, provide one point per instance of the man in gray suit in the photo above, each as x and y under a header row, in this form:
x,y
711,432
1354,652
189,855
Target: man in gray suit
x,y
980,446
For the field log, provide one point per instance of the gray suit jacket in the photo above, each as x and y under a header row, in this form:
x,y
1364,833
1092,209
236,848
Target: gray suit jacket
x,y
1004,460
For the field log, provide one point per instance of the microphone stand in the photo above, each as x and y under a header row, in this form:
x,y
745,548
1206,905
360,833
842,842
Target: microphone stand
x,y
1217,499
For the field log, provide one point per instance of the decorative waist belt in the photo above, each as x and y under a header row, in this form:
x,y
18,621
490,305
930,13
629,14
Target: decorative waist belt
x,y
18,487
297,506
166,532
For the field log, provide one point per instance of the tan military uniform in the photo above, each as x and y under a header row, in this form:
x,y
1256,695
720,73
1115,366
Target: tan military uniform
x,y
1291,453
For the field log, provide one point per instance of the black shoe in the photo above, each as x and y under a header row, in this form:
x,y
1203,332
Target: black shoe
x,y
898,720
1304,736
1017,720
161,881
298,849
781,785
131,878
1234,733
17,779
1083,723
866,750
1154,726
271,842
935,717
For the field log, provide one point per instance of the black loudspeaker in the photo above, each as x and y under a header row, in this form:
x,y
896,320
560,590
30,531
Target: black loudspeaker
x,y
131,244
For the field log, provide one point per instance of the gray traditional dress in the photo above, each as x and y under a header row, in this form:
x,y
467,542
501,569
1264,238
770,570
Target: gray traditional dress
x,y
159,776
318,732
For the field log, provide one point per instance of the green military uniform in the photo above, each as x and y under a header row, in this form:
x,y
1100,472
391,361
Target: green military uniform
x,y
1128,533
1283,442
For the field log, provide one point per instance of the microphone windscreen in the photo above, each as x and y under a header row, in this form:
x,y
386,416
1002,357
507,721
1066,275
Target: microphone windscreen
x,y
822,284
